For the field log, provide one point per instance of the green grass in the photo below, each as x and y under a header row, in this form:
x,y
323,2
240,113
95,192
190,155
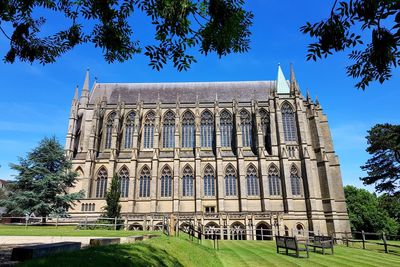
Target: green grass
x,y
15,230
179,251
162,251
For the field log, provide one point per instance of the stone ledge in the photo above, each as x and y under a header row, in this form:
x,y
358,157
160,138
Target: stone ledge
x,y
104,241
42,250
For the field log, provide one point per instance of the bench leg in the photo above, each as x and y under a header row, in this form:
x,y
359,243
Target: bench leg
x,y
307,253
323,250
287,251
332,249
297,253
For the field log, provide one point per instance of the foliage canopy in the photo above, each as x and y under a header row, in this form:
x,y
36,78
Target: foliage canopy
x,y
366,214
383,168
378,20
220,26
42,182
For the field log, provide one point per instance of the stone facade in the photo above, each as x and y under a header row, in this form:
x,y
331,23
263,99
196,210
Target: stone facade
x,y
225,154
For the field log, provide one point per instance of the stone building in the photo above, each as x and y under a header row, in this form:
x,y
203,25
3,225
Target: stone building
x,y
229,155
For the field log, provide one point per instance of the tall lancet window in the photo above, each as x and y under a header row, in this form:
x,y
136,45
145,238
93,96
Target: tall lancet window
x,y
101,183
129,125
187,182
148,135
253,188
230,181
289,123
169,130
209,181
144,182
295,181
166,182
226,128
109,129
246,125
188,130
266,129
206,129
123,176
274,181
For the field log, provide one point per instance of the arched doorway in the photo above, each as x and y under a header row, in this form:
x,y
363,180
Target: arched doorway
x,y
136,227
238,231
263,231
210,229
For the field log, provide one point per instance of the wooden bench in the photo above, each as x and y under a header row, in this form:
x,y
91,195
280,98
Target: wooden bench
x,y
322,242
37,251
291,243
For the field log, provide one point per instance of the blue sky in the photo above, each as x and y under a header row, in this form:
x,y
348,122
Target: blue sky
x,y
35,99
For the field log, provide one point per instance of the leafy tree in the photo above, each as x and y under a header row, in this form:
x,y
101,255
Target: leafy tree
x,y
113,208
383,168
391,204
220,26
365,213
379,22
42,182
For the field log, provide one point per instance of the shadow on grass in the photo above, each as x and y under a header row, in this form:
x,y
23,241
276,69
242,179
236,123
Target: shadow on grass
x,y
139,254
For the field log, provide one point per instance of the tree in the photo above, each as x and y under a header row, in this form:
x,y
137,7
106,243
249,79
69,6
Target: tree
x,y
220,26
113,208
383,168
379,21
365,213
42,182
391,204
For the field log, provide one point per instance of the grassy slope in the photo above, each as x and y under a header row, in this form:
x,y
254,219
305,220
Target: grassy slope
x,y
166,251
253,253
61,231
161,251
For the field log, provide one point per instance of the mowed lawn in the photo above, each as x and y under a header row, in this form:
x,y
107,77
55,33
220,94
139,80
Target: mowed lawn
x,y
17,230
179,251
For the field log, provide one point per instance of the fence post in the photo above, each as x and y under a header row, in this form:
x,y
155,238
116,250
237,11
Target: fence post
x,y
347,238
363,238
57,221
115,223
384,242
85,222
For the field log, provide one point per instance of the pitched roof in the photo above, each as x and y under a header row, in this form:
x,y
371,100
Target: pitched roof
x,y
187,92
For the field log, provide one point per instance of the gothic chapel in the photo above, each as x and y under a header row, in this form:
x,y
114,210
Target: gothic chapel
x,y
240,155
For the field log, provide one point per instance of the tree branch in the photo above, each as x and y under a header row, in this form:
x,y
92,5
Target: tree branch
x,y
5,34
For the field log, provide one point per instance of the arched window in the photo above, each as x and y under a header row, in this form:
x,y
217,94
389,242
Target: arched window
x,y
300,229
289,123
274,181
295,181
144,182
209,181
246,125
188,129
101,183
169,130
206,129
130,123
253,188
230,181
187,182
266,129
148,139
109,129
123,176
226,128
166,182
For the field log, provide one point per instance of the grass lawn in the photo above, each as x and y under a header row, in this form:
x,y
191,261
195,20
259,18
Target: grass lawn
x,y
179,251
61,231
